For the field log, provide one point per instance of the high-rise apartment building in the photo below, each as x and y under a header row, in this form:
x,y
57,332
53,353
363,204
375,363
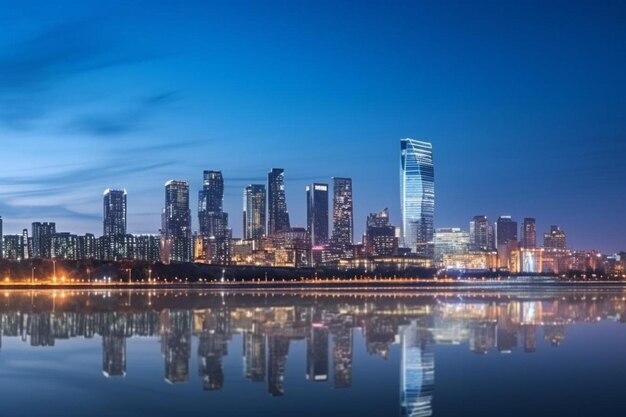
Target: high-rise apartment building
x,y
212,219
417,188
42,239
176,223
115,209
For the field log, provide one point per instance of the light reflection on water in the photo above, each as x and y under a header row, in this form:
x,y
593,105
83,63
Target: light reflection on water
x,y
409,353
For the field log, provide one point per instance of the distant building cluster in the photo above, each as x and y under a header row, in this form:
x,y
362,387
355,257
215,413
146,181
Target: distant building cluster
x,y
327,239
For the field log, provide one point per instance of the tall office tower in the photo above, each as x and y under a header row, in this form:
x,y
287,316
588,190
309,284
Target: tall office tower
x,y
254,212
480,233
42,239
25,249
1,240
343,223
212,219
114,212
278,215
417,188
555,238
506,230
176,223
317,213
529,233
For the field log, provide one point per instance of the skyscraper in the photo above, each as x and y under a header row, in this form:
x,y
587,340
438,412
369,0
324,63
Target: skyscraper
x,y
529,233
479,233
254,212
211,197
506,230
212,219
1,240
176,223
317,213
343,223
277,203
417,188
114,212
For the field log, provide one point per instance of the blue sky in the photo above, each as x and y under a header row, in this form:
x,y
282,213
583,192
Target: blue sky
x,y
524,103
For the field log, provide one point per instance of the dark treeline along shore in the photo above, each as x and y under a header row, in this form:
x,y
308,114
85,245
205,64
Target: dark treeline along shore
x,y
42,270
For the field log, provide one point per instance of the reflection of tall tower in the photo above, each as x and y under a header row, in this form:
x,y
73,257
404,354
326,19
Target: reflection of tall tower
x,y
278,350
417,379
254,355
212,347
342,354
176,344
317,353
113,355
530,338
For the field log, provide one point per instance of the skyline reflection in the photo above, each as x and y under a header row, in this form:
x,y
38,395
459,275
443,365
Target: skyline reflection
x,y
330,327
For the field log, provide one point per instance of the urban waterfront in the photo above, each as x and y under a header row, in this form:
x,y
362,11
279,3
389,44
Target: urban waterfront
x,y
476,350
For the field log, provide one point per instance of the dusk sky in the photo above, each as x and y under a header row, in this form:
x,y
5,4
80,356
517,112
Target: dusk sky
x,y
524,102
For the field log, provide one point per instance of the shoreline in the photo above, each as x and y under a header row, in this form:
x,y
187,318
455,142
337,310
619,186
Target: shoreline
x,y
317,285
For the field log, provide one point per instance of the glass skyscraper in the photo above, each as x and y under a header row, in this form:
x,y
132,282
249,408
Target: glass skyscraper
x,y
254,212
317,213
417,188
277,203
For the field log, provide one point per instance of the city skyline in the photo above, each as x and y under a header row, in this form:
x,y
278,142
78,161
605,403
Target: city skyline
x,y
104,108
416,159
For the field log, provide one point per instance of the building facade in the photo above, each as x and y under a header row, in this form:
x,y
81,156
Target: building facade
x,y
529,233
254,198
42,239
278,215
480,233
213,220
343,213
317,213
176,223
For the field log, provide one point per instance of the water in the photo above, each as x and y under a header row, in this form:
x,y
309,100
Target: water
x,y
441,352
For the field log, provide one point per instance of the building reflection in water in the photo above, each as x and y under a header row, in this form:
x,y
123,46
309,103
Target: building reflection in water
x,y
414,324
